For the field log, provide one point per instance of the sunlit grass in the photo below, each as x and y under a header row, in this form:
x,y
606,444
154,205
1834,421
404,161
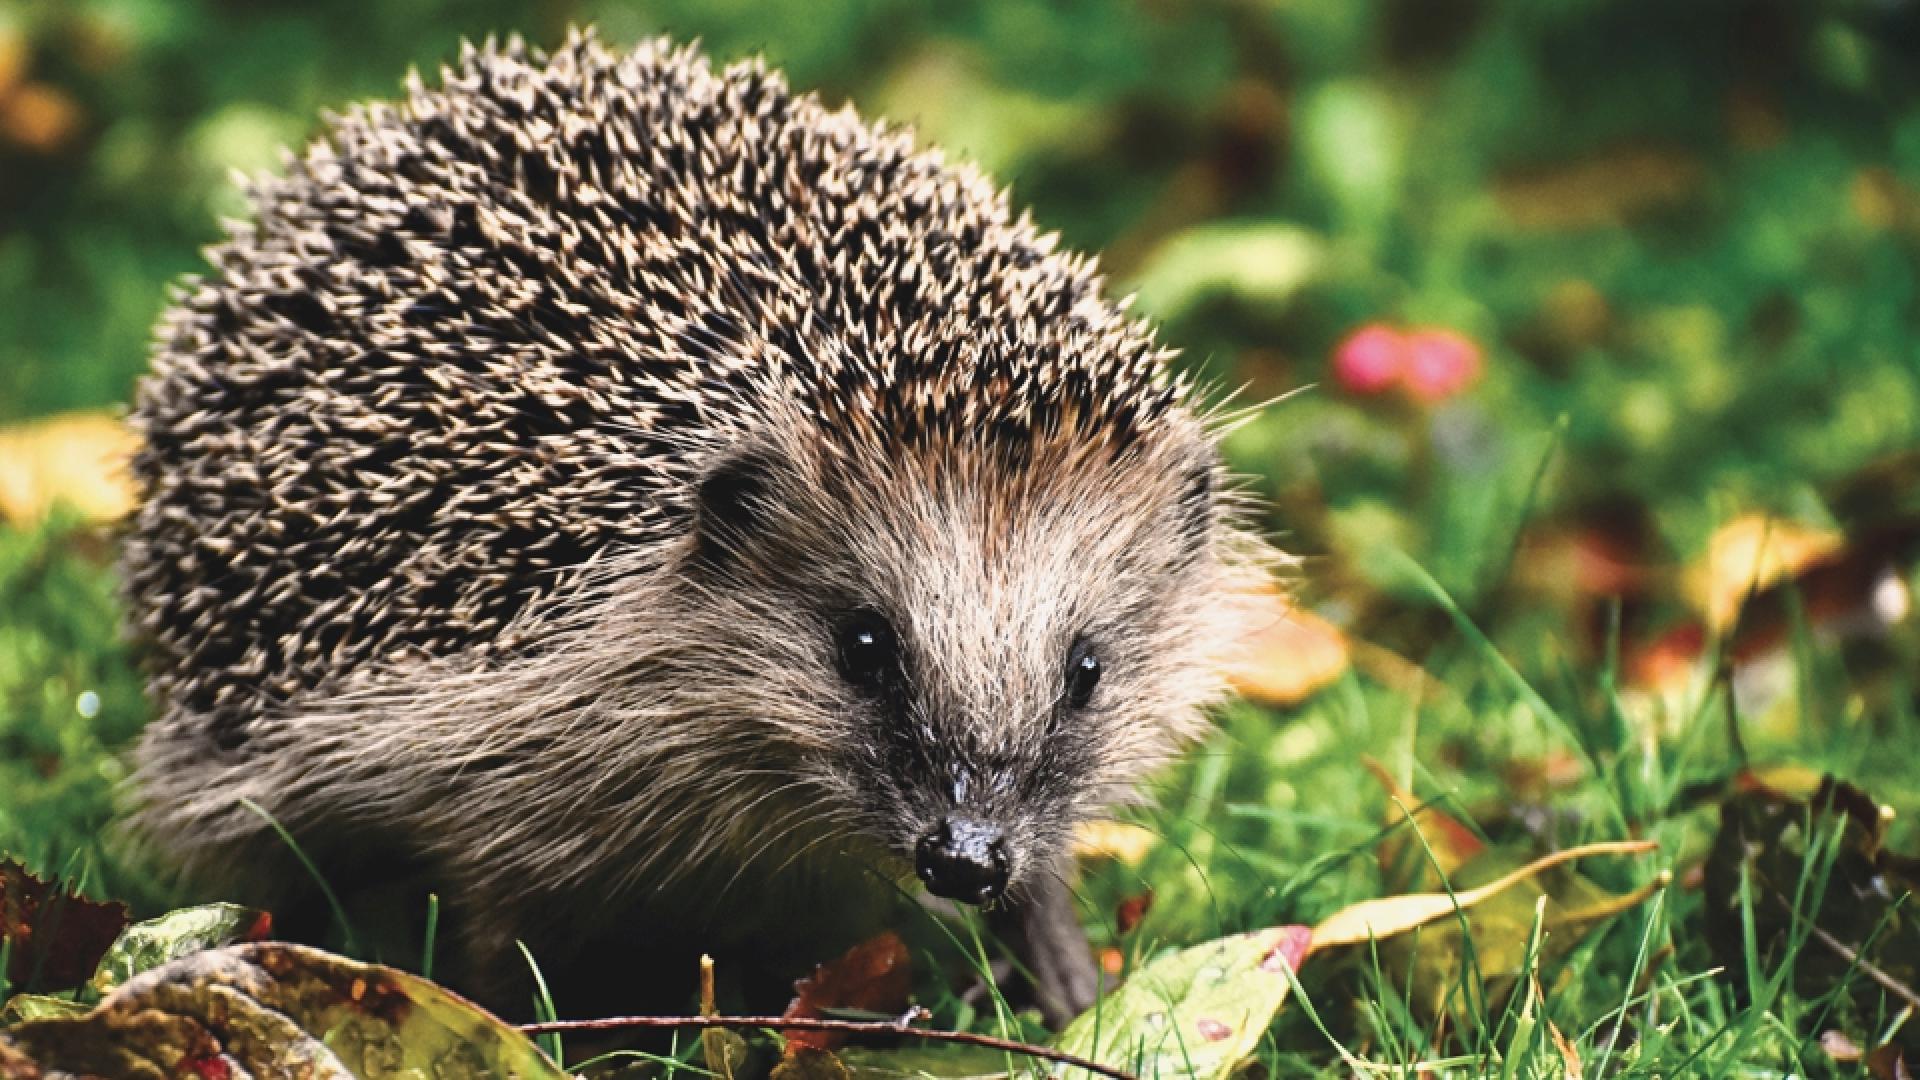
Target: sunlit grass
x,y
1275,820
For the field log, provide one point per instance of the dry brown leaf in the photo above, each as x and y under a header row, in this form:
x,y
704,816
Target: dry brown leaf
x,y
52,939
1669,662
1292,655
1860,944
79,459
1889,1062
1128,913
873,976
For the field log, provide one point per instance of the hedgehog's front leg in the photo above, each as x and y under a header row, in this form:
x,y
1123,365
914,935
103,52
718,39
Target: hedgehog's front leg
x,y
1045,934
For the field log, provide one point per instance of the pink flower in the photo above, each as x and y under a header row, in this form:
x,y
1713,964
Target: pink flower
x,y
1440,364
1371,359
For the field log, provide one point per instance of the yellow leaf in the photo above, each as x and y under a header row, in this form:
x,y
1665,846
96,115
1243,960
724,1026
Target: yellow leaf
x,y
1750,553
1116,840
1387,916
1291,656
79,459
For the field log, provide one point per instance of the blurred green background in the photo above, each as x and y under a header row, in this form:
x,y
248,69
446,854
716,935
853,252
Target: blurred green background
x,y
1672,247
1688,228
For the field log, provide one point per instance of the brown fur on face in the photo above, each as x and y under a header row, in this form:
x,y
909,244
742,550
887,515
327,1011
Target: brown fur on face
x,y
992,569
505,479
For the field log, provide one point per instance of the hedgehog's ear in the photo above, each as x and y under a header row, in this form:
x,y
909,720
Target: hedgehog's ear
x,y
730,502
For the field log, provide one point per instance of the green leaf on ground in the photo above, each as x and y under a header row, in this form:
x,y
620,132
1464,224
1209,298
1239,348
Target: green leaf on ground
x,y
22,1007
147,945
1193,1013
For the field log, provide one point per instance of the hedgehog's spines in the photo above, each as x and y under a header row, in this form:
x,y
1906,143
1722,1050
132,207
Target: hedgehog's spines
x,y
423,455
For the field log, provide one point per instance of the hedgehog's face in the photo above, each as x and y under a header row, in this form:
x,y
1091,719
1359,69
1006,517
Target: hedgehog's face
x,y
972,658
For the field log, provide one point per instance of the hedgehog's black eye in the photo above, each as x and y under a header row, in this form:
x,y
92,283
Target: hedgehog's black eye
x,y
867,650
1083,674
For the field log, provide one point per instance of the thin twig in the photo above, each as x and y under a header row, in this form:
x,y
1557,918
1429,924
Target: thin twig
x,y
1852,956
901,1026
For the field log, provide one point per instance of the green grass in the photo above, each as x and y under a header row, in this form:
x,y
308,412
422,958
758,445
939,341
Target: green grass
x,y
1275,820
1683,236
69,703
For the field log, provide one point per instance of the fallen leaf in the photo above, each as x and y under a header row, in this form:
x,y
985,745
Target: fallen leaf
x,y
1840,1047
1748,554
79,459
1857,591
147,945
54,938
1194,1012
1120,841
1428,964
918,1061
1131,910
22,1007
1888,1062
1405,860
802,1062
723,1052
873,976
1668,662
1780,781
277,1012
1290,656
1857,933
1372,920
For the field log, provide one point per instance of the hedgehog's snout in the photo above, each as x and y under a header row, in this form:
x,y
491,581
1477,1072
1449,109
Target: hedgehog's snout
x,y
965,860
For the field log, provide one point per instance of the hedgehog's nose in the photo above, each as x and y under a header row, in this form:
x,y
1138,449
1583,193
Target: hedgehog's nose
x,y
963,860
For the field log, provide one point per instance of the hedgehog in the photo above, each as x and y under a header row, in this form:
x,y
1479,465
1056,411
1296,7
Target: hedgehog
x,y
657,510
